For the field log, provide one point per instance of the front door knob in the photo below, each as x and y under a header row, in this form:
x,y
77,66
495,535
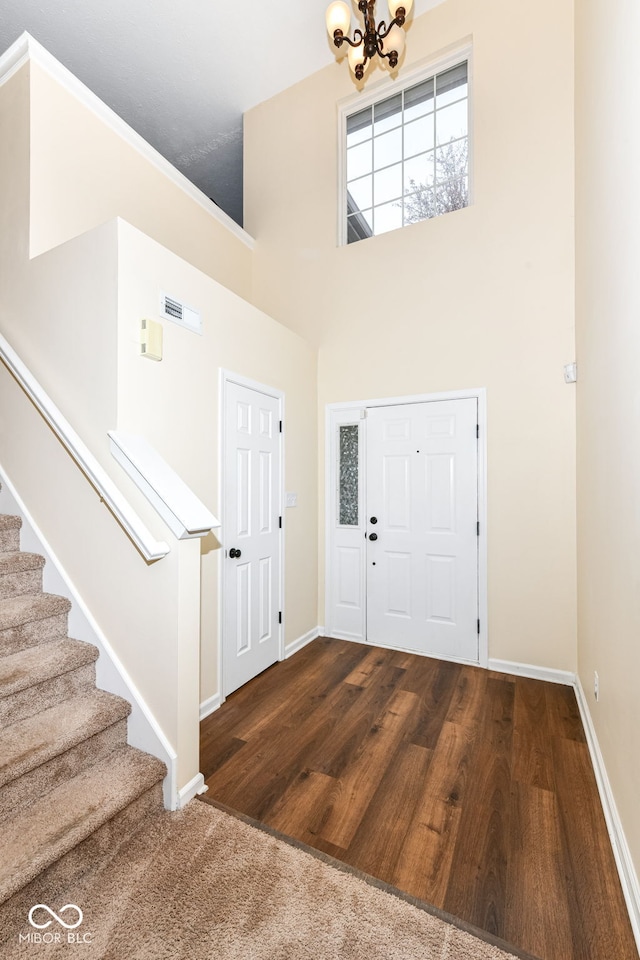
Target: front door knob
x,y
233,553
373,536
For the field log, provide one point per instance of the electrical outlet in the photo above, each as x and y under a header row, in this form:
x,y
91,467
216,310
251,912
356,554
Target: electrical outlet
x,y
596,685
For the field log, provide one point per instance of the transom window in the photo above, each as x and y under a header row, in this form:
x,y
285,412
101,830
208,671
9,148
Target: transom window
x,y
408,156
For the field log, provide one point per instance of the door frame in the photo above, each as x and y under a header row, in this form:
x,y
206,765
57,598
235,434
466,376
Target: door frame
x,y
335,413
228,376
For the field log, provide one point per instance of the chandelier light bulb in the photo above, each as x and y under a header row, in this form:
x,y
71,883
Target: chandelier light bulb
x,y
394,40
338,18
395,4
356,57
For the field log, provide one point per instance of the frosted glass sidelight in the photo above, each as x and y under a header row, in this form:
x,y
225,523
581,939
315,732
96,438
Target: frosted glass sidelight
x,y
348,475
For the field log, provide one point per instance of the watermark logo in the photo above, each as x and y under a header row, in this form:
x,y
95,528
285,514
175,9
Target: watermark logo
x,y
69,917
63,923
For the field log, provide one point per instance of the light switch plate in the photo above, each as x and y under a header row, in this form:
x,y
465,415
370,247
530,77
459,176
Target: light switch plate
x,y
292,499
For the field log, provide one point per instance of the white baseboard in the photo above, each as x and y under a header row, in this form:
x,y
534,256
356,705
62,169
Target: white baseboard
x,y
189,791
564,677
143,730
209,705
621,852
301,642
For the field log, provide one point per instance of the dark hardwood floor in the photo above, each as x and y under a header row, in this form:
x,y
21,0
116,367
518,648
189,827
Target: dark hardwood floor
x,y
469,789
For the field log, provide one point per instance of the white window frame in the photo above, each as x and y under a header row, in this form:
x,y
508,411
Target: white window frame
x,y
387,87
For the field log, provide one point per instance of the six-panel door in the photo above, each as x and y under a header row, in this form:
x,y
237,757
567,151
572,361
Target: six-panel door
x,y
250,641
422,513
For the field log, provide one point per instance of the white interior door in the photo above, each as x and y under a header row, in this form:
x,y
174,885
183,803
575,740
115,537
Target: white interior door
x,y
422,528
251,531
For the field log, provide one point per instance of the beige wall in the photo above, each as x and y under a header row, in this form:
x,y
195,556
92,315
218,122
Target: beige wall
x,y
83,173
59,312
71,304
175,404
480,298
608,345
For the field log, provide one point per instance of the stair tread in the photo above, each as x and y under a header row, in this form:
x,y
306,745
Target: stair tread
x,y
34,838
16,561
15,611
29,743
10,522
34,665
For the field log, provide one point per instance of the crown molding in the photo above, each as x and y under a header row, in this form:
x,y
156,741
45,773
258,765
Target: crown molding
x,y
14,57
26,48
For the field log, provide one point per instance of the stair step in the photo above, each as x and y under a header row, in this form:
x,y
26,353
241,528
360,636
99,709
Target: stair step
x,y
9,532
36,753
32,619
38,677
35,838
20,573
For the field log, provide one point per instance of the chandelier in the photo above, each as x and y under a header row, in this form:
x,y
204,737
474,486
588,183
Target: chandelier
x,y
385,41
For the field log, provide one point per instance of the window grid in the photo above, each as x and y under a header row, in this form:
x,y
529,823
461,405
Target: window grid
x,y
430,194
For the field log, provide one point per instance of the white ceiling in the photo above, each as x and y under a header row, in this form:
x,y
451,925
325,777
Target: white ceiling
x,y
182,72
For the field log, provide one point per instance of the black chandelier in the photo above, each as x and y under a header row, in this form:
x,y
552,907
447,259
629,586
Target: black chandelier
x,y
385,41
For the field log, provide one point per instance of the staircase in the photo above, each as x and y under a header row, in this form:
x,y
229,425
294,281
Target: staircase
x,y
71,790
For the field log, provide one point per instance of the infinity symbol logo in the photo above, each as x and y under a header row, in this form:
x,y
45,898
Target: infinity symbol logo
x,y
55,916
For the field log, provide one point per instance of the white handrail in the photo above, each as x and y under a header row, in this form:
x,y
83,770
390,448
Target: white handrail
x,y
186,516
150,548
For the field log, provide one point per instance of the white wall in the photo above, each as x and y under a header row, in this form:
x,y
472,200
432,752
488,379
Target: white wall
x,y
483,297
608,348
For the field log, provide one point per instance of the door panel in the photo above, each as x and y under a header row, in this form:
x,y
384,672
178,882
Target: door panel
x,y
250,641
422,565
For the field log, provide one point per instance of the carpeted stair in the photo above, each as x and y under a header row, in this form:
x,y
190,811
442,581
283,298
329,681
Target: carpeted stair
x,y
71,790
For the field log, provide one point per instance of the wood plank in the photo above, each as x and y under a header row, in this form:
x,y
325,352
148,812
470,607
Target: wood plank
x,y
360,779
267,765
378,842
533,759
368,668
301,809
537,912
216,750
477,881
563,713
436,685
424,866
334,754
598,914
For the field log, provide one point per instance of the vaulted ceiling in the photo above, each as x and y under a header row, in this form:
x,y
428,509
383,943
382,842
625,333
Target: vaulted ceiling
x,y
182,74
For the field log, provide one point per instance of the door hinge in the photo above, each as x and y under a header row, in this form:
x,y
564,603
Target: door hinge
x,y
478,626
281,426
478,529
280,617
477,431
280,522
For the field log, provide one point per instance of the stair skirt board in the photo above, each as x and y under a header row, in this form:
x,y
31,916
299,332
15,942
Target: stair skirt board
x,y
111,675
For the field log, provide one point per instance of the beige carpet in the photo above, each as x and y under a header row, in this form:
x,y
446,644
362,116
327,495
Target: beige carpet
x,y
201,884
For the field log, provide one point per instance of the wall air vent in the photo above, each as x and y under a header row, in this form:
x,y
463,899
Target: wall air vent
x,y
176,310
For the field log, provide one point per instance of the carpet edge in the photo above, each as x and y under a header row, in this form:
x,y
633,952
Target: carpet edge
x,y
423,905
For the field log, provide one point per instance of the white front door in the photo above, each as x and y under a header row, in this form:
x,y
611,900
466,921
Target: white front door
x,y
251,520
422,528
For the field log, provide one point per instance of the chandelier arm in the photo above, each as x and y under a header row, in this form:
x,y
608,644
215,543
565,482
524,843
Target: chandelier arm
x,y
358,37
384,31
